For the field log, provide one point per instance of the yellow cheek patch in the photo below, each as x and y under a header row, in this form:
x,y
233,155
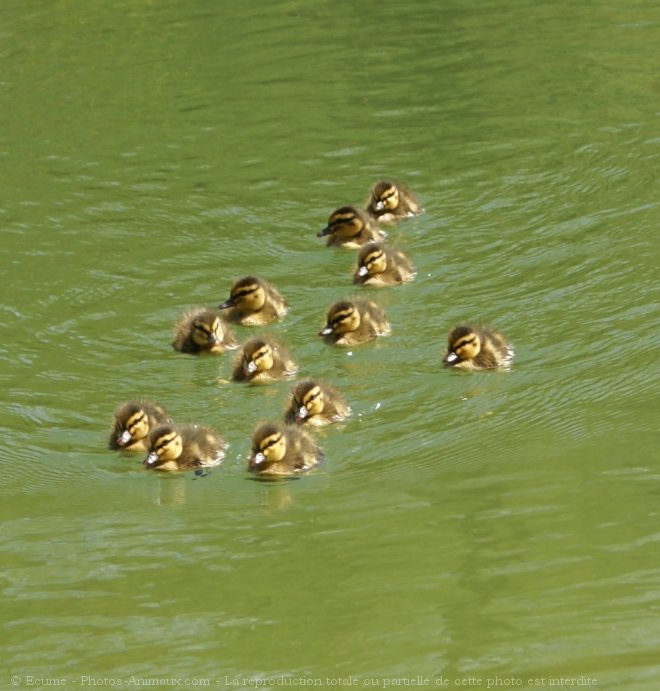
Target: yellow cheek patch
x,y
311,395
390,198
376,261
164,441
341,317
269,442
204,331
464,342
261,354
370,259
135,420
244,291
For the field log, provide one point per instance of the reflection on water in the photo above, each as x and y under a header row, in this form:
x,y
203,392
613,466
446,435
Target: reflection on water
x,y
171,492
461,521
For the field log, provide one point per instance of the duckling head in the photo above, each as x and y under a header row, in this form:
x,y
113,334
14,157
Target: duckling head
x,y
308,400
371,260
385,196
464,343
258,357
166,447
344,223
248,294
343,317
207,331
268,445
135,425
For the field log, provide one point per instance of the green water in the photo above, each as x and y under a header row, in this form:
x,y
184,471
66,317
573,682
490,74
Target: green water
x,y
495,529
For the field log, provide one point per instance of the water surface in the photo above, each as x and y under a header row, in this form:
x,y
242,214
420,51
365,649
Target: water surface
x,y
487,526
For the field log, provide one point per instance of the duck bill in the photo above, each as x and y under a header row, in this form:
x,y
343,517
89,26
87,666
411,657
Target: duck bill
x,y
251,367
303,413
450,359
150,460
326,231
229,302
325,331
124,439
379,205
362,271
259,459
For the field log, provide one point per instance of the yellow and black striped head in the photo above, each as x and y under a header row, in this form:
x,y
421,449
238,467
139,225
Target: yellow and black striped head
x,y
463,343
207,329
344,223
343,317
248,295
372,259
384,196
258,356
308,400
132,424
165,447
268,445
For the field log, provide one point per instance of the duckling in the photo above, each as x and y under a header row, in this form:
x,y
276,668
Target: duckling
x,y
350,227
133,422
184,447
282,450
355,321
254,301
315,404
202,331
379,265
389,202
263,360
477,348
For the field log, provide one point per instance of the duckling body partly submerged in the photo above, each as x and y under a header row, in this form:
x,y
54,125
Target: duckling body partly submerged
x,y
203,330
133,422
350,227
282,450
390,201
254,301
378,265
354,321
184,447
263,360
313,403
477,348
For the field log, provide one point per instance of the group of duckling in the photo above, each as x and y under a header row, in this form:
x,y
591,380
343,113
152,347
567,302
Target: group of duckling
x,y
287,448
